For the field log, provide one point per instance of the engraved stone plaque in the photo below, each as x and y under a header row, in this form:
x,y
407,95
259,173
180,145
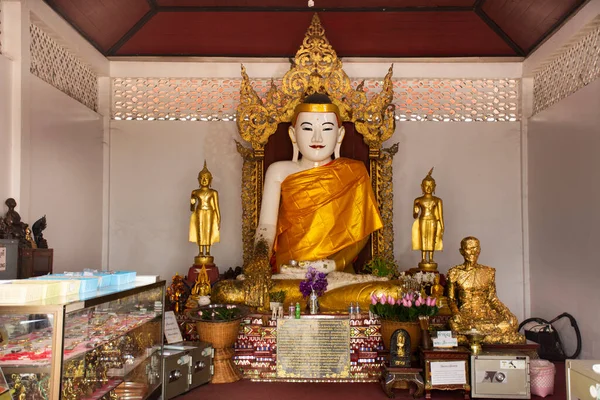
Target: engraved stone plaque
x,y
313,348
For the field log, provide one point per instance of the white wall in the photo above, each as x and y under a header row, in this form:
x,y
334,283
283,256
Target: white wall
x,y
66,176
154,166
5,135
564,219
478,177
153,169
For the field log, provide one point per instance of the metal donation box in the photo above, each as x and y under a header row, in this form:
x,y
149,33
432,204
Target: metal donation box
x,y
186,366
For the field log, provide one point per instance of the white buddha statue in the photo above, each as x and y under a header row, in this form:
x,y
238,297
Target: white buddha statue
x,y
317,212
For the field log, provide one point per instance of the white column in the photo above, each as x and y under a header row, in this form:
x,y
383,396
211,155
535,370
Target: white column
x,y
104,106
16,40
526,110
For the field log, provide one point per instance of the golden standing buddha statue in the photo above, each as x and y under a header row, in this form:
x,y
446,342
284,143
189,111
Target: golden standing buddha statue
x,y
473,300
206,217
428,227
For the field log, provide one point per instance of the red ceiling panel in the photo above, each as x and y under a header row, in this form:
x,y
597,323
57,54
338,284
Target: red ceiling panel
x,y
526,22
370,34
275,28
103,22
282,4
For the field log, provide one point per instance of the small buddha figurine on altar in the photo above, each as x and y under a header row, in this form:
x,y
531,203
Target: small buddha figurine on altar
x,y
428,227
201,290
29,238
437,292
206,217
177,293
473,300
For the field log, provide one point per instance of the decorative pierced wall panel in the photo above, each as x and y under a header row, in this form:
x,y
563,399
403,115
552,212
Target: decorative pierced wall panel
x,y
443,100
575,67
56,65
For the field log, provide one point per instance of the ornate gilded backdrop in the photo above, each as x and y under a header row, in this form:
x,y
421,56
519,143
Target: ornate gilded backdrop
x,y
316,68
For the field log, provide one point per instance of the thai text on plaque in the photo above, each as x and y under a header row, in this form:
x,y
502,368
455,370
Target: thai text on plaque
x,y
313,348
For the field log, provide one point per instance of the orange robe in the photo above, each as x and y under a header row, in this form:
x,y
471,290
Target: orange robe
x,y
324,210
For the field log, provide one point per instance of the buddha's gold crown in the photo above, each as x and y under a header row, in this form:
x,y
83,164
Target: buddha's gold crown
x,y
317,107
429,178
204,171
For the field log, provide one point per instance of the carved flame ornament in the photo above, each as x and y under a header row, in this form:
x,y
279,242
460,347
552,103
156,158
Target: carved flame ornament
x,y
316,68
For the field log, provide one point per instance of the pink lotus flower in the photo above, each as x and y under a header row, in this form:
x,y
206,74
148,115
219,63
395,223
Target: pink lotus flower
x,y
409,307
374,298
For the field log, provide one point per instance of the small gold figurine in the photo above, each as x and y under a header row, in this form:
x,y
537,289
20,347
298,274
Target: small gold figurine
x,y
206,217
437,291
474,303
176,293
400,344
29,238
201,288
202,285
428,229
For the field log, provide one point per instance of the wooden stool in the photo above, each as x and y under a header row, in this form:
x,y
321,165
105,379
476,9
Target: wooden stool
x,y
393,377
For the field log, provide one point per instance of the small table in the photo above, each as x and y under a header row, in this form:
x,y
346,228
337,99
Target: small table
x,y
394,377
452,378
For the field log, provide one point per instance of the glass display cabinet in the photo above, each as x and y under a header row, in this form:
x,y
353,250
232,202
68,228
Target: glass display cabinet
x,y
105,346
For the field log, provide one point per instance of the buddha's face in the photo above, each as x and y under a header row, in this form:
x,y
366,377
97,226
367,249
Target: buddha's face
x,y
428,186
204,180
316,135
470,250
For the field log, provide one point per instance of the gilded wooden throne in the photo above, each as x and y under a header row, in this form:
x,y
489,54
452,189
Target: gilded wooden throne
x,y
263,123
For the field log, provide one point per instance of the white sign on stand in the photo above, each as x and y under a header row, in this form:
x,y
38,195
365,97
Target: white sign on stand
x,y
448,373
172,332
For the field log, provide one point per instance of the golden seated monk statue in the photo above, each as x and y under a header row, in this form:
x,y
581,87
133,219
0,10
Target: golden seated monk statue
x,y
473,300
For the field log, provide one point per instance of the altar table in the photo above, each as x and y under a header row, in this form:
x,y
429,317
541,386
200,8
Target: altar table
x,y
256,350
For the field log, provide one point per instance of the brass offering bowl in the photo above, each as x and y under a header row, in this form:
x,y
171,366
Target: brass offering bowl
x,y
475,339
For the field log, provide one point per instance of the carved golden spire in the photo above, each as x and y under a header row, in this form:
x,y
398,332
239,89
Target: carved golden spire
x,y
316,68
